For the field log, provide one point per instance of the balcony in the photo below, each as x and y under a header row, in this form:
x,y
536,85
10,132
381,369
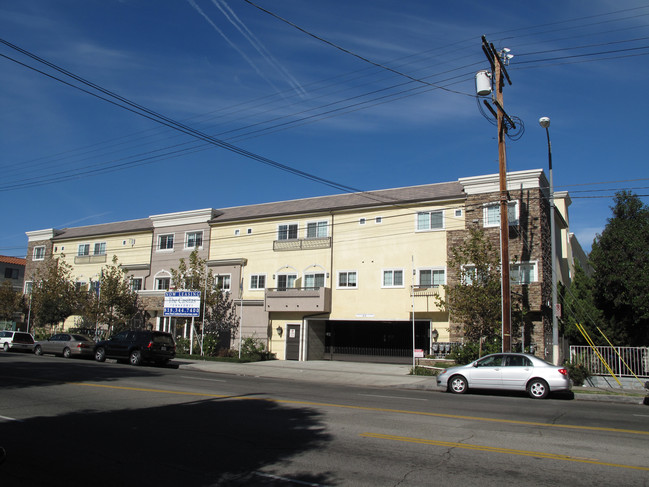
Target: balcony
x,y
302,300
302,244
90,259
426,298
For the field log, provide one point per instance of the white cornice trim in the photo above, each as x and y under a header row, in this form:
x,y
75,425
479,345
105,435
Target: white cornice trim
x,y
191,217
490,183
39,235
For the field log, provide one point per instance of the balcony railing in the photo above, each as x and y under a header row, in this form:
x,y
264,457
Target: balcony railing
x,y
307,299
90,259
302,244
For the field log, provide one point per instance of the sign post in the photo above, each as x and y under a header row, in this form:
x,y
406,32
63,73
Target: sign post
x,y
184,304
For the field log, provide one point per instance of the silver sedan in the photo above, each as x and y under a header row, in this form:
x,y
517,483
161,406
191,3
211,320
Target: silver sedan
x,y
507,371
66,345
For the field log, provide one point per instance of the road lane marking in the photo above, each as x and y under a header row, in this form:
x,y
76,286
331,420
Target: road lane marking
x,y
394,397
287,479
202,378
507,451
367,408
7,418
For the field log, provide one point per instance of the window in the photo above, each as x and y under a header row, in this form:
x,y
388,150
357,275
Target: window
x,y
523,273
362,221
100,248
316,229
286,281
393,278
39,253
458,213
491,214
314,280
94,287
237,232
378,219
194,240
347,279
258,281
11,273
249,231
29,285
430,220
223,282
287,232
166,242
432,277
163,283
84,249
136,284
470,277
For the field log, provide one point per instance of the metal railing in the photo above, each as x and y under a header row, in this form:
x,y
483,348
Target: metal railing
x,y
623,361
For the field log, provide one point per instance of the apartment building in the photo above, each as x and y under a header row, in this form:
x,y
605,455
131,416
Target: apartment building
x,y
347,277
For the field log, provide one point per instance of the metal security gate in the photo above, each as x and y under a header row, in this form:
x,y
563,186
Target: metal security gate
x,y
293,342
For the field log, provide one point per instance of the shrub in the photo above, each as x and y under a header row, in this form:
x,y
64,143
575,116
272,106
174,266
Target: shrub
x,y
578,372
470,351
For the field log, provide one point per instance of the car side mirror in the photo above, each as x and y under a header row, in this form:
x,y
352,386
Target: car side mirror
x,y
475,364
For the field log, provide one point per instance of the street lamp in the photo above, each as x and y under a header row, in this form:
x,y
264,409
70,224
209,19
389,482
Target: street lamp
x,y
545,123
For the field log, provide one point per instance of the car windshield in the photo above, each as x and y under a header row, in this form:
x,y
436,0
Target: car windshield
x,y
80,338
23,338
163,339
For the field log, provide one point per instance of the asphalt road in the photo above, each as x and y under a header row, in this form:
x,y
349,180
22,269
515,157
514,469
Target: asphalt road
x,y
77,422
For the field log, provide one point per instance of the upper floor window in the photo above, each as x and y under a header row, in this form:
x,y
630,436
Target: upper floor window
x,y
348,279
432,277
166,242
84,249
314,280
392,278
316,229
258,281
522,273
11,273
287,232
286,281
29,286
100,248
430,220
194,240
163,283
39,253
491,214
136,284
223,282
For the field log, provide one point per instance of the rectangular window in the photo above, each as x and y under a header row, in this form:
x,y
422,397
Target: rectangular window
x,y
347,279
166,242
316,229
491,214
11,273
393,278
430,220
100,248
523,273
432,277
258,281
314,281
471,276
136,284
223,282
29,285
286,281
163,283
94,287
39,253
84,249
194,240
287,232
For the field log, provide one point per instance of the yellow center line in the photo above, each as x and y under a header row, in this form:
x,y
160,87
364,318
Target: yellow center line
x,y
507,451
367,408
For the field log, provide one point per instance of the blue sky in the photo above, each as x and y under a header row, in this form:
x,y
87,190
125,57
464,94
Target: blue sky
x,y
230,70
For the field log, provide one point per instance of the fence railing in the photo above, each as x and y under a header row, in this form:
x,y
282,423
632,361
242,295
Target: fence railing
x,y
635,358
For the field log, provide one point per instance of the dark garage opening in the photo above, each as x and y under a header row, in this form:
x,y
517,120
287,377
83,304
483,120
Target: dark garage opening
x,y
375,341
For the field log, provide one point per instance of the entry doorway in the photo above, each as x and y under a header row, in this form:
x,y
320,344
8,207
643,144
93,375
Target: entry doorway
x,y
293,342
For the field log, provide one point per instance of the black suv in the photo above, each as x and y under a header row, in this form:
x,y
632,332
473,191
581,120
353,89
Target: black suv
x,y
137,347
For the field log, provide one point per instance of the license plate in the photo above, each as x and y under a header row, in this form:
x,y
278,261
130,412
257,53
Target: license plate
x,y
163,348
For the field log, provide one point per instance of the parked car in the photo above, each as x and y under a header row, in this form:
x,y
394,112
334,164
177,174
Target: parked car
x,y
67,345
16,340
137,347
507,371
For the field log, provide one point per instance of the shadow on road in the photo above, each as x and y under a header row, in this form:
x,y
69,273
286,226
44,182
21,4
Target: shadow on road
x,y
208,442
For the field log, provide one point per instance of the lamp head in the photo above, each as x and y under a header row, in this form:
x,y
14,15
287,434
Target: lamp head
x,y
544,122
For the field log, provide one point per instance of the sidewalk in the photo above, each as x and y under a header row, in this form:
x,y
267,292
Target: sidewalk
x,y
369,374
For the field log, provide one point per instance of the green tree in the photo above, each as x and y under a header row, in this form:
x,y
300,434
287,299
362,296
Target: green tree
x,y
54,295
11,301
473,301
219,319
113,302
578,304
620,259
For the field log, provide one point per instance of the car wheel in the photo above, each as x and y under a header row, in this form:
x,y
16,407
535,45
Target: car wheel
x,y
38,350
458,384
100,355
6,347
538,389
135,358
66,352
